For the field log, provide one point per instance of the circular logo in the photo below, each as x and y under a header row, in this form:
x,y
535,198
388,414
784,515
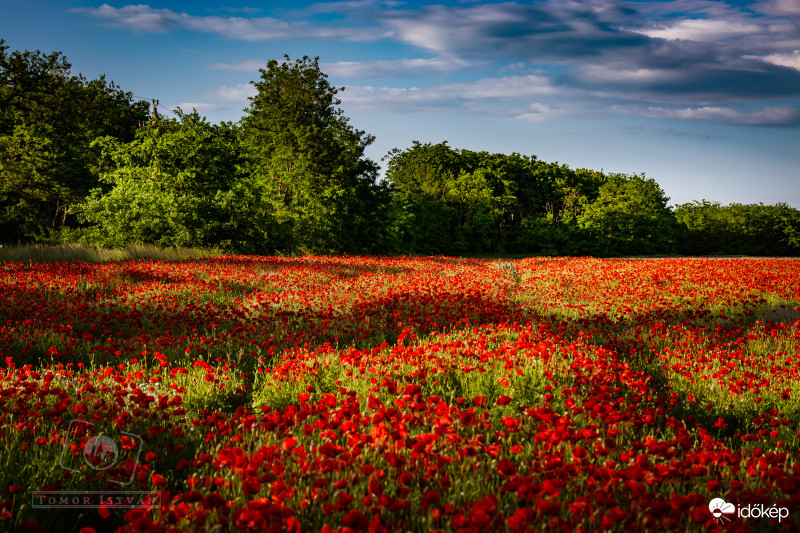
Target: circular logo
x,y
100,452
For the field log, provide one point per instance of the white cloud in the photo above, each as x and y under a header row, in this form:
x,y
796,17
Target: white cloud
x,y
392,68
234,93
768,116
543,113
395,99
365,69
791,59
710,56
507,88
702,30
145,19
670,53
511,97
429,33
538,31
623,72
349,6
138,18
777,7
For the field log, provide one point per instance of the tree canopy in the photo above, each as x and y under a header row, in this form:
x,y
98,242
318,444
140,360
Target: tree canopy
x,y
630,215
48,121
306,160
175,184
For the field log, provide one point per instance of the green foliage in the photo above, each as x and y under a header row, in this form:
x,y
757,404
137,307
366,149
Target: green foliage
x,y
292,177
26,187
456,201
755,229
451,201
630,216
48,120
307,162
174,185
421,220
553,198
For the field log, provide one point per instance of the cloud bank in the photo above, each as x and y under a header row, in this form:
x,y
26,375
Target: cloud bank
x,y
696,60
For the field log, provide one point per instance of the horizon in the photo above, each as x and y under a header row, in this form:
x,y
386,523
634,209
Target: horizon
x,y
702,96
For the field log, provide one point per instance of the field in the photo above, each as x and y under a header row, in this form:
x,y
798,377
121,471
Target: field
x,y
240,393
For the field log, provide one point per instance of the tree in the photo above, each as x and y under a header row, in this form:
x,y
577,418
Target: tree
x,y
550,200
307,162
176,184
48,120
453,201
420,218
753,229
630,216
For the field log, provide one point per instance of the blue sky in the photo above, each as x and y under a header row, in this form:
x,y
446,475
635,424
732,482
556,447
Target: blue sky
x,y
703,96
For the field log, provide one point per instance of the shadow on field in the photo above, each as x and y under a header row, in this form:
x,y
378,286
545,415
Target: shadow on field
x,y
343,266
97,322
784,313
143,273
738,419
442,311
637,341
92,326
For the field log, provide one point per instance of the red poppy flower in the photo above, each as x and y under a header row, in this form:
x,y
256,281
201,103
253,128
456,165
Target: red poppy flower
x,y
356,519
430,497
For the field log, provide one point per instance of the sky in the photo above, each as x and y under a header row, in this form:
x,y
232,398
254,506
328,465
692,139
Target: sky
x,y
702,96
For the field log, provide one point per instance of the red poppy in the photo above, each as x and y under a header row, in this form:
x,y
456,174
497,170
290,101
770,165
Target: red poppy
x,y
430,497
356,519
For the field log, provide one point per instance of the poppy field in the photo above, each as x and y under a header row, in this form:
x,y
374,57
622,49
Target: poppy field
x,y
317,393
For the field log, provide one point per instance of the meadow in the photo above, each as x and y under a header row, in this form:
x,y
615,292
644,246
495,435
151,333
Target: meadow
x,y
381,394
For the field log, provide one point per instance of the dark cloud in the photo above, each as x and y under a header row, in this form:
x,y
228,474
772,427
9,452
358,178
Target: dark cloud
x,y
691,83
667,53
543,32
600,54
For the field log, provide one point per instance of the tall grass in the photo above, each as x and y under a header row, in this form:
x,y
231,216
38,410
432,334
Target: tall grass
x,y
46,253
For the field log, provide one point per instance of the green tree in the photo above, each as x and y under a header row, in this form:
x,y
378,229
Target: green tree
x,y
48,120
550,201
451,201
421,178
630,216
308,162
176,184
752,229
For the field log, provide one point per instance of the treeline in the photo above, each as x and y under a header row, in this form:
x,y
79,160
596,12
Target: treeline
x,y
81,161
448,201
